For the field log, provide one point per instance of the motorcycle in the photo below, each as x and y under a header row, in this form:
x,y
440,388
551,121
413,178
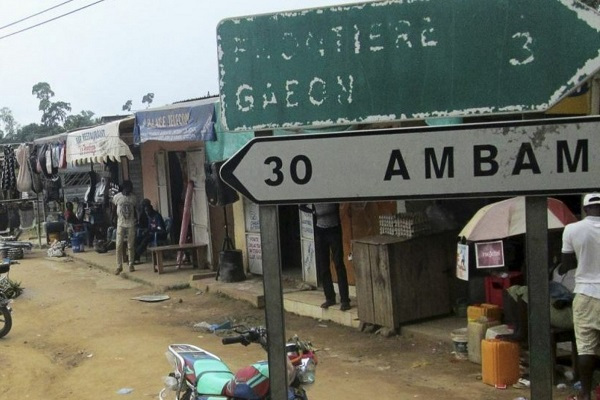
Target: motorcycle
x,y
5,309
200,375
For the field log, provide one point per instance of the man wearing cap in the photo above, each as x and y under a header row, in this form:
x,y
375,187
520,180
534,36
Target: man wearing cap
x,y
581,250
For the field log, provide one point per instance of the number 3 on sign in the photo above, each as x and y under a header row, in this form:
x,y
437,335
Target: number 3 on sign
x,y
299,162
527,40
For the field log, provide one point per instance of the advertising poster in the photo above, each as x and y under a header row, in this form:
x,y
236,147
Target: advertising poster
x,y
489,254
462,262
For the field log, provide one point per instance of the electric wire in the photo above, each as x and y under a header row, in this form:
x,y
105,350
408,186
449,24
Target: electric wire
x,y
50,20
36,14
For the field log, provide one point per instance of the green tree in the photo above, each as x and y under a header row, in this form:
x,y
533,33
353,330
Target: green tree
x,y
148,98
127,105
34,131
81,120
10,125
53,113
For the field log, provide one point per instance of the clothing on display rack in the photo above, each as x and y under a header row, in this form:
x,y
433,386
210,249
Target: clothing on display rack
x,y
24,181
9,179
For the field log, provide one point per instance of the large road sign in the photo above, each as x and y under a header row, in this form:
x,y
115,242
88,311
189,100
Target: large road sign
x,y
474,160
396,60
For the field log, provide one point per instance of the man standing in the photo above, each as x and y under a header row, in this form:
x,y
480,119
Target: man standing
x,y
328,239
581,250
125,202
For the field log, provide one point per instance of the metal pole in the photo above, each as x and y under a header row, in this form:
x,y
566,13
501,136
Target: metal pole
x,y
541,364
37,218
269,237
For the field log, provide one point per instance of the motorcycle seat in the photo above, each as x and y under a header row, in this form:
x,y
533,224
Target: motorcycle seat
x,y
211,376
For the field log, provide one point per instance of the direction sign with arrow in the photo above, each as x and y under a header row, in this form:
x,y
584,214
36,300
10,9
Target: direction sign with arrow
x,y
397,60
475,160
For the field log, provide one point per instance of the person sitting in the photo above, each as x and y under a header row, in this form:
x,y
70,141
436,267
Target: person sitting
x,y
154,231
142,222
70,217
74,224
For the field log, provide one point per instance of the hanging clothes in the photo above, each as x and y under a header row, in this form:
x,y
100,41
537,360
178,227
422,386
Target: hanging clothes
x,y
62,159
36,178
9,178
24,183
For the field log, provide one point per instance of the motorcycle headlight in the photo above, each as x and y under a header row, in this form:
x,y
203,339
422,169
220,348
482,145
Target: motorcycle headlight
x,y
307,371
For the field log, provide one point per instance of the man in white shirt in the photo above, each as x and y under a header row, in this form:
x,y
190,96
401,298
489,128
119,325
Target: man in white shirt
x,y
581,250
125,202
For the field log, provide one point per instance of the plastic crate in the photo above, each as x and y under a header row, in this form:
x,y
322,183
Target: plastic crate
x,y
496,284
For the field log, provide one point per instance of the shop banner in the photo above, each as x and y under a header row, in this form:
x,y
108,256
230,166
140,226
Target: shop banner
x,y
189,121
97,145
489,254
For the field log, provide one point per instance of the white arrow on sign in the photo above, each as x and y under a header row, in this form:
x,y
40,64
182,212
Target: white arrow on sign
x,y
533,157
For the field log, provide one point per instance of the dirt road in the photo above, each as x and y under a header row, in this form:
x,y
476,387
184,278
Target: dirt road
x,y
77,334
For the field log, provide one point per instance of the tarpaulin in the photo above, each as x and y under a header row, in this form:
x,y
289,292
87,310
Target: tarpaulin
x,y
186,121
98,144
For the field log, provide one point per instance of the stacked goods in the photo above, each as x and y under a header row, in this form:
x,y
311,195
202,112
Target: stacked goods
x,y
15,253
481,317
404,224
476,332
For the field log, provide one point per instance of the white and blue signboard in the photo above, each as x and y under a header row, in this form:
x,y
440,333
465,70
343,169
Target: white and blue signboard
x,y
189,121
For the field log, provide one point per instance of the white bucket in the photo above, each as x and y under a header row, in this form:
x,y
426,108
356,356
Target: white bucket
x,y
460,339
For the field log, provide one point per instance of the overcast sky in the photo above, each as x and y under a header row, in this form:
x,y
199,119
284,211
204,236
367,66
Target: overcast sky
x,y
117,50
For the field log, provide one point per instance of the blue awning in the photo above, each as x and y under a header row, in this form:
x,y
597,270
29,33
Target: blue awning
x,y
191,120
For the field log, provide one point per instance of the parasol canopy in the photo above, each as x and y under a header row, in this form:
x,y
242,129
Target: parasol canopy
x,y
507,218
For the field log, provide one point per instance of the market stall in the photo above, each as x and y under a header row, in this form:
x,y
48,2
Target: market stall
x,y
62,160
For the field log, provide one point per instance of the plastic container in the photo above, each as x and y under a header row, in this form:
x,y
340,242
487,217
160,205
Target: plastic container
x,y
494,331
460,339
77,243
476,332
489,311
496,284
499,362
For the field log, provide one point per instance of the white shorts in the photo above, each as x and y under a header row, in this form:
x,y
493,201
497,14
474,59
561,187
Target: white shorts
x,y
586,319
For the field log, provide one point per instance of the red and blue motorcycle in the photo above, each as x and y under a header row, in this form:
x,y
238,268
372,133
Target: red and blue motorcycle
x,y
200,375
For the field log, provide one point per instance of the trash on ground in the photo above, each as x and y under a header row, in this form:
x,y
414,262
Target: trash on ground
x,y
151,298
124,391
205,326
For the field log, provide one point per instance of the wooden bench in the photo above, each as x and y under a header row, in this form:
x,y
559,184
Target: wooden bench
x,y
198,251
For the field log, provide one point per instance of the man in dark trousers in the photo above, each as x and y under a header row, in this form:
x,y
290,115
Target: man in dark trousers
x,y
581,250
328,240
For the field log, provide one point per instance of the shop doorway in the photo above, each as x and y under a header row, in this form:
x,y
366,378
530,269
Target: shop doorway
x,y
177,178
289,233
289,236
172,175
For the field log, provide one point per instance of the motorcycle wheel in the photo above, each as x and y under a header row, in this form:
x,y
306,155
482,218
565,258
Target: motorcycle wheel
x,y
5,321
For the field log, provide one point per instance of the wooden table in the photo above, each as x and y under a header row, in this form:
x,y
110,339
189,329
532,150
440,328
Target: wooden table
x,y
198,251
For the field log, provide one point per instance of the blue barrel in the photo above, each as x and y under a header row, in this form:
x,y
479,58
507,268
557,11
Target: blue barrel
x,y
77,242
